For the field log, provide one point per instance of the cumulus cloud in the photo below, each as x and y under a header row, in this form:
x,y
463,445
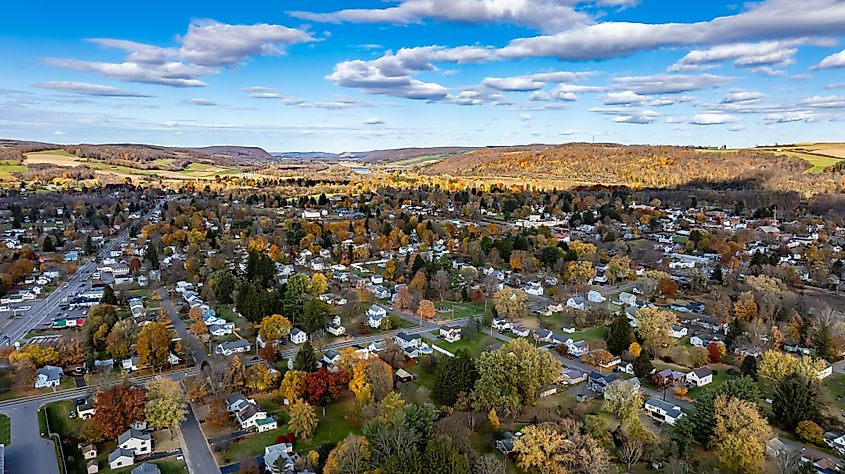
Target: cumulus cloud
x,y
203,102
833,61
742,96
628,115
790,117
533,82
374,121
207,46
713,119
624,98
766,53
827,102
784,19
545,15
670,83
86,88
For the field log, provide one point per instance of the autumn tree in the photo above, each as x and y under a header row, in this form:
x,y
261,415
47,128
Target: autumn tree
x,y
654,326
166,406
403,298
425,310
350,456
293,385
511,303
153,346
303,419
121,338
740,435
548,448
623,400
274,328
745,308
117,408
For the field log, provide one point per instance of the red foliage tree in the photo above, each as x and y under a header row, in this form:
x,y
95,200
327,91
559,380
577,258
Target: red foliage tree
x,y
668,287
323,386
117,408
714,352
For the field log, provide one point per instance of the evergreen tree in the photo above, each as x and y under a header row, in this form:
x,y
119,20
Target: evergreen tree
x,y
89,245
736,329
48,245
108,296
619,335
823,345
305,360
224,285
151,255
704,420
797,398
442,457
406,462
717,274
642,365
453,376
749,367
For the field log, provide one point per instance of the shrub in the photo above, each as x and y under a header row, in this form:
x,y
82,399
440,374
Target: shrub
x,y
809,431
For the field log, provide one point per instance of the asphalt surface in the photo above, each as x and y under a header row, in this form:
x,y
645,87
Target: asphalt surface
x,y
28,451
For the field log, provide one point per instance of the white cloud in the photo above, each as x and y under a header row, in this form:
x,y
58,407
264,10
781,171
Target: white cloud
x,y
766,53
833,61
207,46
374,121
828,102
533,82
790,117
741,96
624,98
525,117
713,119
203,102
669,83
546,15
784,19
86,88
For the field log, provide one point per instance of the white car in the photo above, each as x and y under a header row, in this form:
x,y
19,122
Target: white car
x,y
23,308
5,308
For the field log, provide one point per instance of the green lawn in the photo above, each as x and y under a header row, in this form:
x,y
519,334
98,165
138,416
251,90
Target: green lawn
x,y
836,385
67,429
591,335
7,167
332,427
458,310
423,377
718,379
474,346
5,430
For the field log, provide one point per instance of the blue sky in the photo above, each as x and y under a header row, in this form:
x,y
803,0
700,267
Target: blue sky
x,y
347,76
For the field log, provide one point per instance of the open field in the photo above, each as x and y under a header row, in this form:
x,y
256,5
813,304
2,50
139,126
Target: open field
x,y
65,159
417,160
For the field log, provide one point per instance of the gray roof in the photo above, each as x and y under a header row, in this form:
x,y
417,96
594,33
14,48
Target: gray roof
x,y
51,371
235,344
664,405
121,452
702,372
132,433
146,468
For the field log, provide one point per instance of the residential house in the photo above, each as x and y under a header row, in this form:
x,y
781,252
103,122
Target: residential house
x,y
501,324
298,336
220,330
572,376
130,364
700,377
139,442
505,444
91,466
450,333
406,340
577,348
48,376
278,458
249,416
577,302
668,377
335,329
628,299
520,331
237,402
595,297
86,410
678,331
597,381
534,288
375,315
542,335
330,358
233,347
146,468
121,458
663,411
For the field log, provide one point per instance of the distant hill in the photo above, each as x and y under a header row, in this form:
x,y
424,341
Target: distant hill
x,y
250,153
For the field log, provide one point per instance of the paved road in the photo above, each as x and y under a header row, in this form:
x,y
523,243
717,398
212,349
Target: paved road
x,y
193,343
15,329
28,451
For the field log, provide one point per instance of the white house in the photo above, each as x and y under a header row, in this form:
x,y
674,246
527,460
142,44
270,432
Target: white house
x,y
520,331
534,288
825,372
501,325
335,329
139,442
278,458
628,299
450,333
232,347
266,424
595,297
678,331
700,377
406,340
375,315
298,336
48,376
121,458
542,335
577,348
576,302
663,411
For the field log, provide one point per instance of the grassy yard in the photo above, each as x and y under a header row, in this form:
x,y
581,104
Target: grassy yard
x,y
68,430
591,335
836,385
474,346
718,379
449,310
5,430
333,426
423,378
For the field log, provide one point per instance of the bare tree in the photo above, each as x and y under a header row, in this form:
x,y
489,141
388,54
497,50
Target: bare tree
x,y
631,451
319,340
